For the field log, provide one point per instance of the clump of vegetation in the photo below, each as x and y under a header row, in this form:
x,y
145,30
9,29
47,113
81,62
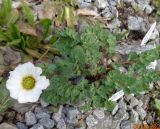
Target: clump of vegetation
x,y
81,74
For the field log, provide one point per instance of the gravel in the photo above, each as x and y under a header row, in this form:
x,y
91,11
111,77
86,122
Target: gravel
x,y
47,123
91,121
101,4
42,115
133,23
126,125
71,113
61,124
37,126
21,125
30,118
142,113
99,114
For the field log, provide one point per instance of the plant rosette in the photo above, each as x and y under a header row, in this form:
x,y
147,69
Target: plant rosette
x,y
25,83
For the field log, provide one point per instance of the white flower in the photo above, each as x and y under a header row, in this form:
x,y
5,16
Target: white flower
x,y
25,83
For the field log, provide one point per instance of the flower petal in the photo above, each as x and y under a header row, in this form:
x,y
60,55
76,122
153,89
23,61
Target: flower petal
x,y
14,93
12,83
33,95
22,96
42,83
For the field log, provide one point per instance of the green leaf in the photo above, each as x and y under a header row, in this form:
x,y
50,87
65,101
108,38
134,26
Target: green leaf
x,y
28,13
46,24
12,17
5,10
2,36
109,105
5,100
157,104
15,42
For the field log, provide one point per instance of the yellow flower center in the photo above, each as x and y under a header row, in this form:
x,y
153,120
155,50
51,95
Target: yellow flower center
x,y
28,83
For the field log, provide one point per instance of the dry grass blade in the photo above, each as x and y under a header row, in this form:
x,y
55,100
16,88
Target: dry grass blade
x,y
87,12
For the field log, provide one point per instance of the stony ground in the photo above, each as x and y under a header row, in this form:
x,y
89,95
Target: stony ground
x,y
134,18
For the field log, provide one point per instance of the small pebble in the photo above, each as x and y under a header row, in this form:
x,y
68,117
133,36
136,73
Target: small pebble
x,y
47,123
21,126
91,121
37,126
30,118
99,114
42,115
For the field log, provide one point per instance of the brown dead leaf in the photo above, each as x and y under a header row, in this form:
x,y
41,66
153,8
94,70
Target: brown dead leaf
x,y
87,12
47,11
27,29
10,56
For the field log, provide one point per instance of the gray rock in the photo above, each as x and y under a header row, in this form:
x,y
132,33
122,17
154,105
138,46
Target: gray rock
x,y
47,123
56,117
114,111
88,1
114,24
149,118
91,121
70,127
148,9
30,118
145,100
107,123
128,97
134,116
99,114
127,49
122,105
21,125
155,34
43,103
143,24
133,23
71,113
101,4
112,2
107,13
85,5
158,66
145,2
127,1
80,128
42,115
134,102
91,127
38,109
37,126
7,126
142,113
116,124
71,121
61,124
23,108
47,110
126,125
121,115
